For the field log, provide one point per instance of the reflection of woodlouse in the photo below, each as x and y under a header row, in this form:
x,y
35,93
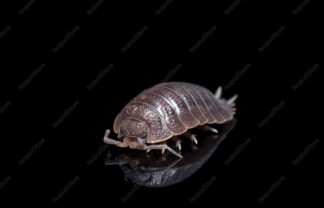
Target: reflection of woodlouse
x,y
166,110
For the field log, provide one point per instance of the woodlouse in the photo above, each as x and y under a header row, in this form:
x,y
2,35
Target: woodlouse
x,y
166,110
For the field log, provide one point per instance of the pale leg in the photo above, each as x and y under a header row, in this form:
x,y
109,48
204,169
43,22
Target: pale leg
x,y
177,141
191,136
208,128
161,147
108,140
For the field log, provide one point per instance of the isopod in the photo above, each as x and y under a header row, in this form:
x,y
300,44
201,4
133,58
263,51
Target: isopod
x,y
166,110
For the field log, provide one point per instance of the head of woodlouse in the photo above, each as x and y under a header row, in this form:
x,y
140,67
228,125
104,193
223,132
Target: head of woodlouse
x,y
140,124
133,132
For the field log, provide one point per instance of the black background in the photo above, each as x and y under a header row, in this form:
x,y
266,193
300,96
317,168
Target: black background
x,y
258,50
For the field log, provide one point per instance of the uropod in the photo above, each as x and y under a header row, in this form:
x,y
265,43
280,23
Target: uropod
x,y
166,110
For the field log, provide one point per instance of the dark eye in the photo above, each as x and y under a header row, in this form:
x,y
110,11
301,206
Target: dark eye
x,y
121,134
141,140
144,135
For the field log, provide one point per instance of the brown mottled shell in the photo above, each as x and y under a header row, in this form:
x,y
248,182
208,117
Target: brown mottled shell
x,y
171,108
